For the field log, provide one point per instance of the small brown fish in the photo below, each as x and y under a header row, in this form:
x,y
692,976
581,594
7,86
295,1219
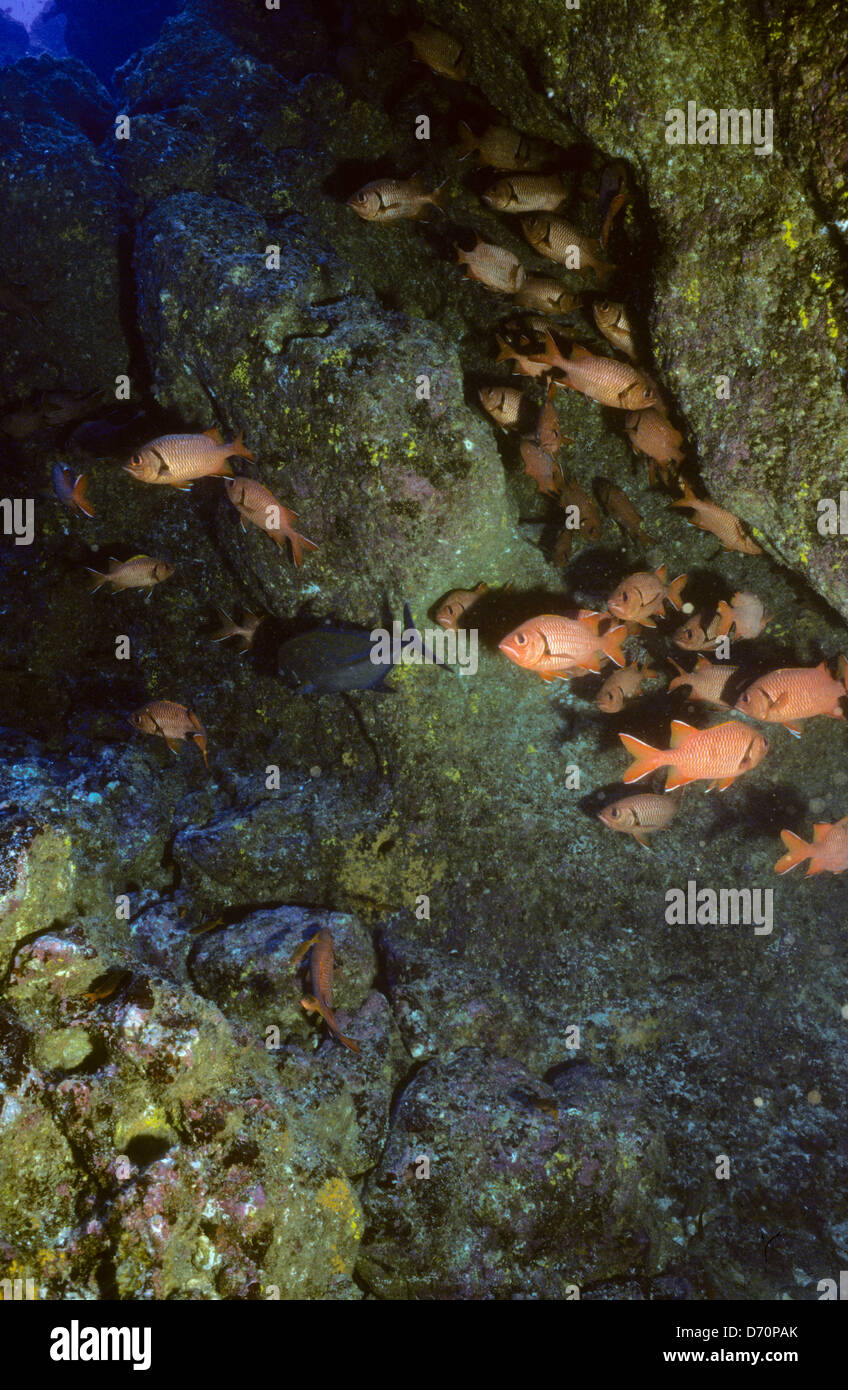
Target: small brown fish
x,y
654,437
245,631
621,686
254,503
455,607
526,193
107,984
709,516
524,366
440,52
571,494
177,460
695,636
503,403
706,682
492,266
613,195
546,295
640,815
745,614
559,241
561,553
391,200
72,493
542,467
549,435
171,722
140,572
501,147
321,963
602,379
641,596
618,505
613,322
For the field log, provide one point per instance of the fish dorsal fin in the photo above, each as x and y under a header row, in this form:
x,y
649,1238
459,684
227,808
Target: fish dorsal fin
x,y
820,831
587,617
680,732
138,557
579,353
661,574
214,434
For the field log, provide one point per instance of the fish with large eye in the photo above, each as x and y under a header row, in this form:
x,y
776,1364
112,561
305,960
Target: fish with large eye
x,y
641,596
393,200
718,755
640,815
603,379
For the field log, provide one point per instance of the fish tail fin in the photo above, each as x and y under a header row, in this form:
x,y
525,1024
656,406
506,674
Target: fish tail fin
x,y
797,850
79,496
551,356
437,197
506,351
613,644
645,758
462,257
239,448
841,669
299,544
674,591
97,579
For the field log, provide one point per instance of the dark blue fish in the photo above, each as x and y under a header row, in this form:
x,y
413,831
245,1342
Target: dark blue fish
x,y
334,658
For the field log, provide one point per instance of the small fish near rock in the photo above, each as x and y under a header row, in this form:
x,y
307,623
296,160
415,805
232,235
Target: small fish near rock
x,y
492,266
559,241
139,572
70,491
172,722
744,616
727,528
321,962
618,505
613,322
394,200
718,755
244,632
622,686
546,295
501,147
697,635
505,405
640,815
551,644
333,658
795,693
653,437
602,379
642,596
455,608
439,51
707,682
256,504
519,193
178,460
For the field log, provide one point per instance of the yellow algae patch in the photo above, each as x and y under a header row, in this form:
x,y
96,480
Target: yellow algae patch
x,y
692,294
384,871
240,373
787,237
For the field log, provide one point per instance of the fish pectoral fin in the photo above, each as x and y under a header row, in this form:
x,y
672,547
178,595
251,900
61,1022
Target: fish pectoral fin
x,y
173,743
641,838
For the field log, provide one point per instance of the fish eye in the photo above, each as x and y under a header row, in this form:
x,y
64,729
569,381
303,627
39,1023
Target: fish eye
x,y
647,394
744,699
521,639
625,594
603,305
614,813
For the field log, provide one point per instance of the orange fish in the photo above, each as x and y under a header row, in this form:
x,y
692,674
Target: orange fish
x,y
795,693
621,686
178,459
439,51
256,504
503,403
542,467
245,631
613,195
745,614
643,594
140,572
559,241
654,437
172,723
571,494
526,193
550,644
613,322
692,636
546,295
621,509
492,266
828,853
602,379
722,524
640,815
456,606
720,754
525,366
707,682
549,435
501,147
321,979
390,200
105,985
71,493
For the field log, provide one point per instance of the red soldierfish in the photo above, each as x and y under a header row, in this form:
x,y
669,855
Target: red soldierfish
x,y
642,595
640,815
321,979
391,200
602,379
706,683
493,266
256,504
745,614
621,686
828,853
720,754
171,722
550,644
795,693
727,528
179,459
